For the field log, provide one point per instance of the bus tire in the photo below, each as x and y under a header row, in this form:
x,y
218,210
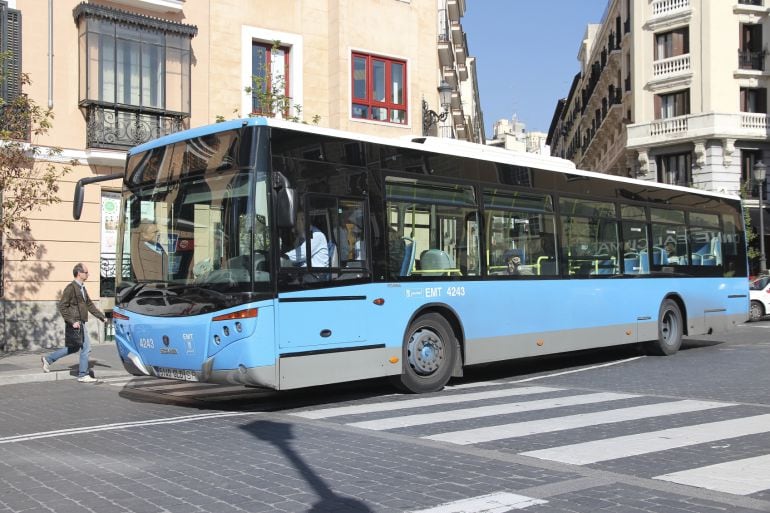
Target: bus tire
x,y
428,355
670,329
756,311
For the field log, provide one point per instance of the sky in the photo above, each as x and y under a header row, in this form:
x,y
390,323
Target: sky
x,y
526,54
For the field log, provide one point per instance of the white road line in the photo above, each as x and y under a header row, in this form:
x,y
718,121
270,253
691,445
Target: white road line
x,y
593,367
122,425
488,411
499,502
739,477
654,441
534,427
324,413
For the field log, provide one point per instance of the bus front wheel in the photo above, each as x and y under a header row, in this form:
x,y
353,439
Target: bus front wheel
x,y
428,356
670,329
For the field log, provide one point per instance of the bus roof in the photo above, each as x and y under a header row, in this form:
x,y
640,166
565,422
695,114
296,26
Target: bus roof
x,y
430,144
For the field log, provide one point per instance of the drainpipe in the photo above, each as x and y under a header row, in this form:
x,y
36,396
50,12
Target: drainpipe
x,y
50,54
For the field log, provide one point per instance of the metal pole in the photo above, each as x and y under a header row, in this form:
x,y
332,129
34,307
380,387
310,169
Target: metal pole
x,y
762,262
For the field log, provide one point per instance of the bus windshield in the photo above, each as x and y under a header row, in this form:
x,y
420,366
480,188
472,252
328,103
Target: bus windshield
x,y
194,235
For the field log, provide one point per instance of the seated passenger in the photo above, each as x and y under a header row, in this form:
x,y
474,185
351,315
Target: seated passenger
x,y
319,246
512,258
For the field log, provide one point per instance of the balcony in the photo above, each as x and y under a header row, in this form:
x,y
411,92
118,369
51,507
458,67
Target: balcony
x,y
455,10
664,13
753,60
445,49
462,71
668,7
671,67
450,75
123,127
742,125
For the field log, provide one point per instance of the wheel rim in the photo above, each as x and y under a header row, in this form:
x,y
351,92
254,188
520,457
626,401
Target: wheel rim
x,y
756,311
425,351
669,328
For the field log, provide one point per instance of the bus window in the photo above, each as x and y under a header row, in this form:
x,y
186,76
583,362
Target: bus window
x,y
732,246
589,237
669,238
433,229
635,247
332,231
705,240
520,234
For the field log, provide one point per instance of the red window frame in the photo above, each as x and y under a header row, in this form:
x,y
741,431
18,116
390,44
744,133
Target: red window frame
x,y
268,47
369,102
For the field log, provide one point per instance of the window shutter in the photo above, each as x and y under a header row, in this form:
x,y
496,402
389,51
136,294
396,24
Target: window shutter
x,y
657,107
744,100
10,41
762,100
678,43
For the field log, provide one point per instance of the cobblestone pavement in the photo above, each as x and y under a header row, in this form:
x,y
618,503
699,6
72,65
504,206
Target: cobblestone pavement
x,y
502,438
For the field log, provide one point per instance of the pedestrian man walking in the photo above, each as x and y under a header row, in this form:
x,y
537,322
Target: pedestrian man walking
x,y
74,307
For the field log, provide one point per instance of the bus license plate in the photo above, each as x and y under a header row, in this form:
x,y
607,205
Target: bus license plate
x,y
183,374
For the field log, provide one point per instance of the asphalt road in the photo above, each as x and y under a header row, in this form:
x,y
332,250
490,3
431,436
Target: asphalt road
x,y
608,430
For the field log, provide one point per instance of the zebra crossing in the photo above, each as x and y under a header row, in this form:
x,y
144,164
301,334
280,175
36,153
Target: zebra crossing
x,y
514,414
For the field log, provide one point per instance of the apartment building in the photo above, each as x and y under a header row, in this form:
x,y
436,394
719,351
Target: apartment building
x,y
120,72
513,135
673,91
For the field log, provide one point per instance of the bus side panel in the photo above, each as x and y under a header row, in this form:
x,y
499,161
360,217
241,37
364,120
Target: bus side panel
x,y
304,370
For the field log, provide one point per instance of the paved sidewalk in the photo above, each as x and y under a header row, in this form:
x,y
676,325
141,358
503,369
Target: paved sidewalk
x,y
25,367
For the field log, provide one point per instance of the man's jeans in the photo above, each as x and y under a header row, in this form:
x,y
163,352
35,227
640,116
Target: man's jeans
x,y
84,352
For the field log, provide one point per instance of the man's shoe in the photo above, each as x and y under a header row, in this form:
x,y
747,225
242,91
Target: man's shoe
x,y
44,361
87,379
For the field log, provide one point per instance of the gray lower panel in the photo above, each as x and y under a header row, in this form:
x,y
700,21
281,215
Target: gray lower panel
x,y
256,377
336,367
536,344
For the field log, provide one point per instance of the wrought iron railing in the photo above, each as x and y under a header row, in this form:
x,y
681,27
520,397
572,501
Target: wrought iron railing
x,y
107,268
122,127
748,59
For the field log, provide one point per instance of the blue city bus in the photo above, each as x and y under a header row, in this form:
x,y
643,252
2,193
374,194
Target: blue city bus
x,y
281,255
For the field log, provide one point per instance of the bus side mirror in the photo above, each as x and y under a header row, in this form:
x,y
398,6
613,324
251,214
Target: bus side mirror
x,y
287,208
286,201
77,201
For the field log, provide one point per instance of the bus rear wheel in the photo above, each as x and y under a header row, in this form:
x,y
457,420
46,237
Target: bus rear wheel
x,y
670,329
429,352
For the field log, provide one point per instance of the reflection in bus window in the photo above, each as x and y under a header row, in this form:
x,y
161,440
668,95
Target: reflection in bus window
x,y
669,238
635,247
589,237
520,234
433,229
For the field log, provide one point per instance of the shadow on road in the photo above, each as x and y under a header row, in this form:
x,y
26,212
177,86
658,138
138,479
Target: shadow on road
x,y
280,435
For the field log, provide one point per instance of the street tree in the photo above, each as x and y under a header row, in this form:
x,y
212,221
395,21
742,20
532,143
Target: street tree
x,y
29,172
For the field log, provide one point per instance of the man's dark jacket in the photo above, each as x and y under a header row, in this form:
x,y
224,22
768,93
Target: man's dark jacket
x,y
74,308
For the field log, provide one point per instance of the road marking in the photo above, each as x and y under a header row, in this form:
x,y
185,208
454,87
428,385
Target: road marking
x,y
519,429
739,477
488,411
593,367
324,413
499,502
654,441
121,425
